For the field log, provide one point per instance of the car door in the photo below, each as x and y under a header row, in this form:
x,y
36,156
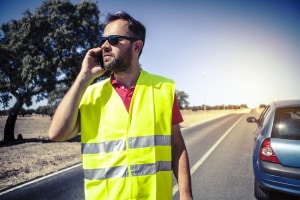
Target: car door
x,y
286,136
260,123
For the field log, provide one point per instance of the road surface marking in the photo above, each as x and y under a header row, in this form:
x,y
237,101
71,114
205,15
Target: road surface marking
x,y
39,179
206,155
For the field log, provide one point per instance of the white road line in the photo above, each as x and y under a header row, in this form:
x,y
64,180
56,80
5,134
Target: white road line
x,y
206,155
41,178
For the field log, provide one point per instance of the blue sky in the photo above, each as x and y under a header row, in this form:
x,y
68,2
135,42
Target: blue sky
x,y
218,52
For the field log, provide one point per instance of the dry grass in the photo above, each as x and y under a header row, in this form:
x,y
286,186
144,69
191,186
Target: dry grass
x,y
34,126
36,156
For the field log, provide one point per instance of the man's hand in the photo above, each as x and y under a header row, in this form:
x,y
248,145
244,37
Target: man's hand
x,y
91,68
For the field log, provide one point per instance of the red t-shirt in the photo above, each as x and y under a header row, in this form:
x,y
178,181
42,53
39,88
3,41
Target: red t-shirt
x,y
126,95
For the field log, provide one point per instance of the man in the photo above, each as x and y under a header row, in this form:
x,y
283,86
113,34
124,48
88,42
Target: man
x,y
129,123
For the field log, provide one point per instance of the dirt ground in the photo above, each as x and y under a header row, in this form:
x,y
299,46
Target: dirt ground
x,y
35,156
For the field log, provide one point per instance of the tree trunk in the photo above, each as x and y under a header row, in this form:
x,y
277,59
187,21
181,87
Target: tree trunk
x,y
9,129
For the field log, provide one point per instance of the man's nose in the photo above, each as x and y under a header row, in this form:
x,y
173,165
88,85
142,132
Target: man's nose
x,y
106,46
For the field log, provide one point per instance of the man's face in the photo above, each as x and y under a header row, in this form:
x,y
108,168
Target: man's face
x,y
117,58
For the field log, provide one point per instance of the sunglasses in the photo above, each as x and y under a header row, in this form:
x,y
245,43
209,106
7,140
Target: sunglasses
x,y
114,39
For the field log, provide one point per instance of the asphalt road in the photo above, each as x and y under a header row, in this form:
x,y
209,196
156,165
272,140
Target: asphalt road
x,y
220,160
63,186
226,173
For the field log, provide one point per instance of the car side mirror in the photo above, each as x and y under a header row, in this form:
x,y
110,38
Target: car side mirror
x,y
252,120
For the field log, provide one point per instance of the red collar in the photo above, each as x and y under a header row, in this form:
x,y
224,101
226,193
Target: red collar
x,y
117,84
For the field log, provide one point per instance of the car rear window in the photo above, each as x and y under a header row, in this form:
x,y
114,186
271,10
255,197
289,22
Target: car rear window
x,y
287,123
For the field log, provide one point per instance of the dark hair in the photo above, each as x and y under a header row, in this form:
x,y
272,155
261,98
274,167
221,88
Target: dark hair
x,y
136,28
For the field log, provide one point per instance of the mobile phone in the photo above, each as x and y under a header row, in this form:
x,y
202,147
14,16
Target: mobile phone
x,y
100,60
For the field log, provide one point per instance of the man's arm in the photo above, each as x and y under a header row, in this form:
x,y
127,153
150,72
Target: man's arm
x,y
180,162
65,123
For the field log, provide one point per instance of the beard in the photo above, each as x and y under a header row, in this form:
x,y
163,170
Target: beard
x,y
120,63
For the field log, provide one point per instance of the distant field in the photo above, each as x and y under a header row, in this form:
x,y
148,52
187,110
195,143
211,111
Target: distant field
x,y
30,127
36,126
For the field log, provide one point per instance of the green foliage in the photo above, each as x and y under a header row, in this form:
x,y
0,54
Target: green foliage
x,y
262,105
45,110
42,52
217,107
45,49
5,97
182,99
244,106
25,112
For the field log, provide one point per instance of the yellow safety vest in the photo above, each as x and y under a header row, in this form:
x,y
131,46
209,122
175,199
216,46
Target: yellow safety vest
x,y
127,155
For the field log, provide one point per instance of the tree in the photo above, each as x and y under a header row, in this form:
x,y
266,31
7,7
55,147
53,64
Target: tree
x,y
182,99
262,105
42,52
4,99
45,110
244,106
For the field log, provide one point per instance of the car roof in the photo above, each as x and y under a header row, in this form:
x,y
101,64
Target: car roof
x,y
286,103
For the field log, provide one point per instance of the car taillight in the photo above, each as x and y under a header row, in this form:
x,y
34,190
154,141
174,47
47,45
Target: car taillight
x,y
266,152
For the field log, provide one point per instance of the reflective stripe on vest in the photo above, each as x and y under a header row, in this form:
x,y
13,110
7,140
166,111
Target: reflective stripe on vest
x,y
103,147
121,171
104,173
147,169
119,145
148,141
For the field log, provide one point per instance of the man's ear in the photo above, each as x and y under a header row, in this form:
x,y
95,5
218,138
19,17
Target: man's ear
x,y
138,46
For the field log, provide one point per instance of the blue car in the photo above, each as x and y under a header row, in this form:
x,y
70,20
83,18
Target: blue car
x,y
276,154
